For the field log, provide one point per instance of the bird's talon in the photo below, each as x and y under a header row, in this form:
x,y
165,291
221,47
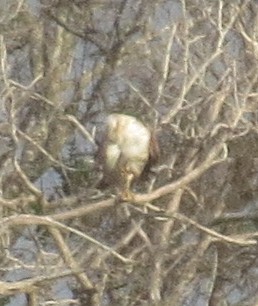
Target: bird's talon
x,y
127,196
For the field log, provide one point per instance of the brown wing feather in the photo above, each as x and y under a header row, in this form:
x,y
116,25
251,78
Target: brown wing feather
x,y
154,149
154,155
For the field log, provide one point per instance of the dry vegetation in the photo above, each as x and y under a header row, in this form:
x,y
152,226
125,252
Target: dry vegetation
x,y
187,68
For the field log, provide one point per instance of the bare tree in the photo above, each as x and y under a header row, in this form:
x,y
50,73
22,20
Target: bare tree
x,y
188,69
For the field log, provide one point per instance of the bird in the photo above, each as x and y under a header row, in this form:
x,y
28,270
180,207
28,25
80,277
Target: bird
x,y
127,150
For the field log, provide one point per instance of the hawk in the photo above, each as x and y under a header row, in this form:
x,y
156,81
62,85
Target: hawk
x,y
127,150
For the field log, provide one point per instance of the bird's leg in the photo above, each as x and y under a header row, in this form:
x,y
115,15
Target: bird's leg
x,y
127,194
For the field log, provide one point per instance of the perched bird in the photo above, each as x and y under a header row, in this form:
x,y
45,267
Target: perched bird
x,y
127,149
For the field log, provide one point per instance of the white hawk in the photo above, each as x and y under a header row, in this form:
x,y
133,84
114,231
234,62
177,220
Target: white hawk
x,y
128,148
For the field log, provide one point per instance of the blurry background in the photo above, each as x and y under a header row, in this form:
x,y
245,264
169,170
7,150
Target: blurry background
x,y
187,69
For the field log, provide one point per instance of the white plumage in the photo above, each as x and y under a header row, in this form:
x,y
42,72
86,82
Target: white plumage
x,y
128,147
